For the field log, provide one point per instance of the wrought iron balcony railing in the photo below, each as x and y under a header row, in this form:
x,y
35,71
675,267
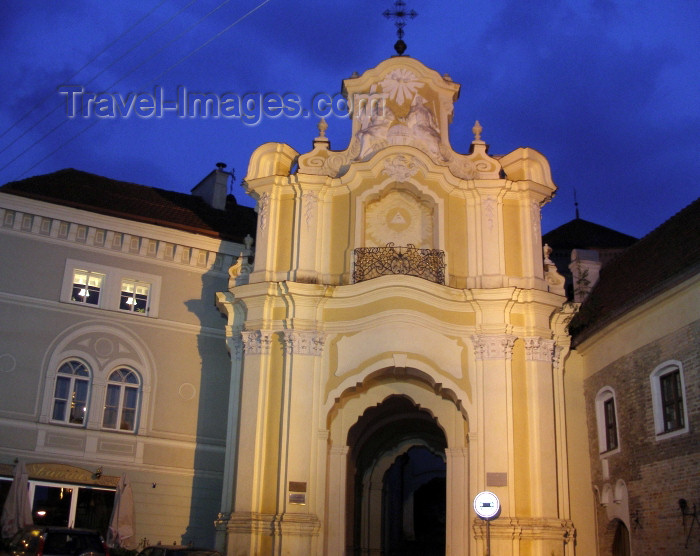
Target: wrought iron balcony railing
x,y
372,262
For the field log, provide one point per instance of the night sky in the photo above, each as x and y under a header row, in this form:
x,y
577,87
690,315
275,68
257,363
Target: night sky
x,y
606,90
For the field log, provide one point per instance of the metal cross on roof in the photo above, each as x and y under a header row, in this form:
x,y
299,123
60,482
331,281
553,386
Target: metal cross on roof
x,y
400,14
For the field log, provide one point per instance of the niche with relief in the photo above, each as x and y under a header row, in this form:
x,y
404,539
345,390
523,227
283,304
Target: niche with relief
x,y
401,217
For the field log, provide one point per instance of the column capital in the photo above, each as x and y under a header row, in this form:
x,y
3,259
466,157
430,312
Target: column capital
x,y
303,342
256,342
493,346
457,452
339,450
539,349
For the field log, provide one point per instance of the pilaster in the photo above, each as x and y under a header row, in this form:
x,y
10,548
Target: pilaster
x,y
254,386
297,525
307,219
491,263
493,354
458,500
336,518
539,355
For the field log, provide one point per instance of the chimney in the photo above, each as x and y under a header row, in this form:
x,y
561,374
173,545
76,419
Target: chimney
x,y
585,269
214,187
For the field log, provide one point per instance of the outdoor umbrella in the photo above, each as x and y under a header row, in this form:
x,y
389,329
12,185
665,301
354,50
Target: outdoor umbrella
x,y
121,524
17,511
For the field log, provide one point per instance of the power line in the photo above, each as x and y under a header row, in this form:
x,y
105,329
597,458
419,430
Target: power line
x,y
225,30
86,64
34,144
228,28
175,39
124,76
45,135
144,40
92,79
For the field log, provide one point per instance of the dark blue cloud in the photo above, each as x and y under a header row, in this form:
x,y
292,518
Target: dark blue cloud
x,y
604,89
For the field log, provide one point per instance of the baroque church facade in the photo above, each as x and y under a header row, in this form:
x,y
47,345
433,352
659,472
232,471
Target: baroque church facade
x,y
399,312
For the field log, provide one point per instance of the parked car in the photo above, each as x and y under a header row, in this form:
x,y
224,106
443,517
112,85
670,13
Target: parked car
x,y
176,550
56,541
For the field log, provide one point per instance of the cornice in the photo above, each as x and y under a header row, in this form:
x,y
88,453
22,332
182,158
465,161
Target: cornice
x,y
426,170
395,285
113,223
205,254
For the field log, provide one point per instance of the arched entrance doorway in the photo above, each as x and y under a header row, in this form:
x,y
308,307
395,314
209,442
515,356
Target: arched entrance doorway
x,y
397,458
373,423
621,540
615,540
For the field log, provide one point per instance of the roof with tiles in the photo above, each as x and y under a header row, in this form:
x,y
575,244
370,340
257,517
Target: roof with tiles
x,y
662,259
140,203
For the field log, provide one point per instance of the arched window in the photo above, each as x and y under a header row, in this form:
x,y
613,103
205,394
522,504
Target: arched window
x,y
606,417
70,399
122,400
668,398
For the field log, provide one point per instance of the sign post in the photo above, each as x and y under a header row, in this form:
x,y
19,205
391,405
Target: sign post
x,y
487,506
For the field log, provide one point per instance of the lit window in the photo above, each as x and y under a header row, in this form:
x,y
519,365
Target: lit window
x,y
134,296
670,411
122,399
111,288
606,417
71,393
86,287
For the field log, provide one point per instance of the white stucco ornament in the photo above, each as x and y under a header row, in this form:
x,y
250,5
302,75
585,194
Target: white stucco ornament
x,y
401,84
486,505
400,167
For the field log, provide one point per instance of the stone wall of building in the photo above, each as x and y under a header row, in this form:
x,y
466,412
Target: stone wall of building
x,y
641,483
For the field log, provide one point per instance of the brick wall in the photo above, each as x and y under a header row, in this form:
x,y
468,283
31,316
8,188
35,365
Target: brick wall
x,y
657,473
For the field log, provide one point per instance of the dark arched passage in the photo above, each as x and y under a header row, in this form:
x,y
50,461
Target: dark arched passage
x,y
397,480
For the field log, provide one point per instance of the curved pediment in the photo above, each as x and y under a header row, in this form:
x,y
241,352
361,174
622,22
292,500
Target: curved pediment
x,y
400,164
400,102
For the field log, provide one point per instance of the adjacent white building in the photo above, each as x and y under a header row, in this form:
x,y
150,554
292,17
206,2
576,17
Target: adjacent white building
x,y
112,353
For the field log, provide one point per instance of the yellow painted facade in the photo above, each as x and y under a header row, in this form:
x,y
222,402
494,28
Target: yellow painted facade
x,y
474,349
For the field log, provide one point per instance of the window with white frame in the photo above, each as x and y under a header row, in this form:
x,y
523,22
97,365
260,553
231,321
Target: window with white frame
x,y
70,399
606,417
111,288
98,377
86,287
122,400
134,296
668,398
